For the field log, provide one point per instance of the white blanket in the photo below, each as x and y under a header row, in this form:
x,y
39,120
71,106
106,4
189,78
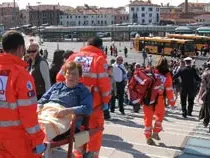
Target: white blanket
x,y
51,125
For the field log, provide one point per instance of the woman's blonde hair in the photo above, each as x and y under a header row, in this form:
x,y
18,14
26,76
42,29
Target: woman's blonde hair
x,y
69,66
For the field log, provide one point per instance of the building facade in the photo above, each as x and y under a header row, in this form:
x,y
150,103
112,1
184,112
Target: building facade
x,y
44,14
24,17
207,7
144,12
9,15
93,16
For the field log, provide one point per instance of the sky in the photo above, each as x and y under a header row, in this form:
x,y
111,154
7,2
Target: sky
x,y
101,3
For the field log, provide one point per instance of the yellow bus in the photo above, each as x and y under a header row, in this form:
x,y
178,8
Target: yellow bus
x,y
200,41
162,45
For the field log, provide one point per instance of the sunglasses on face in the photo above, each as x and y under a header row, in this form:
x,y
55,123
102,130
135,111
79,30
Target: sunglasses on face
x,y
31,51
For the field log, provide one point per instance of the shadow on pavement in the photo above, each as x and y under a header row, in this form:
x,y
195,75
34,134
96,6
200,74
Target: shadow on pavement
x,y
170,147
179,116
126,123
116,142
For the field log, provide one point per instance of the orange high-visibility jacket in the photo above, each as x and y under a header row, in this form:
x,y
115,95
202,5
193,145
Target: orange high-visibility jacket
x,y
94,67
167,86
18,102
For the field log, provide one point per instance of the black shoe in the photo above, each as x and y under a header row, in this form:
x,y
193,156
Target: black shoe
x,y
107,117
122,112
189,114
184,115
112,111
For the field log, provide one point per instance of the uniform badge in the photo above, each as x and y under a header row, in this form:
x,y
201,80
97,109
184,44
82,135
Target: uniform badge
x,y
29,85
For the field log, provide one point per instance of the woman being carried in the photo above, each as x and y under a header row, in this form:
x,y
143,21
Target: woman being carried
x,y
62,101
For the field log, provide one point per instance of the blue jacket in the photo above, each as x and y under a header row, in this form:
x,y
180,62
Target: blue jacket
x,y
77,98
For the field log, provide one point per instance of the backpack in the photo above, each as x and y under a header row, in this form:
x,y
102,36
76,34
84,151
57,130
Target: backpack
x,y
143,87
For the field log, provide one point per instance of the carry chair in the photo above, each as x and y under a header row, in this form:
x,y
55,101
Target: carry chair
x,y
70,139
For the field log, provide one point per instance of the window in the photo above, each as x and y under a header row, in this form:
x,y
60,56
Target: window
x,y
142,9
79,23
142,15
137,9
79,17
132,9
150,9
143,21
157,9
150,14
150,21
105,22
92,22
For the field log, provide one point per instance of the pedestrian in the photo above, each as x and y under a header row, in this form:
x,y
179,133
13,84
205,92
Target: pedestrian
x,y
113,91
111,50
150,60
39,69
188,77
125,52
57,62
20,133
162,72
120,77
144,55
106,50
95,77
204,95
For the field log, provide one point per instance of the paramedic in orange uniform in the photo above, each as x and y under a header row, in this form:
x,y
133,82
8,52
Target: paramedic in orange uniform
x,y
95,77
20,134
162,71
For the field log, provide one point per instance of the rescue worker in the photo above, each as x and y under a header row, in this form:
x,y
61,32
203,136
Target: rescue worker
x,y
95,77
20,133
188,77
162,72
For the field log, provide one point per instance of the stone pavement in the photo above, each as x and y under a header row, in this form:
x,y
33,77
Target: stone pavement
x,y
123,137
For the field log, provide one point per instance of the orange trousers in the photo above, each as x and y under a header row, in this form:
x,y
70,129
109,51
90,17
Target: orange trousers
x,y
17,148
159,112
96,120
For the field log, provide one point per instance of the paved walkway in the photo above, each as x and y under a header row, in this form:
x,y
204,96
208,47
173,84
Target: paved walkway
x,y
123,137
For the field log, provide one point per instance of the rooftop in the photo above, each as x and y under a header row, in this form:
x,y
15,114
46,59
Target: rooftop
x,y
142,3
8,5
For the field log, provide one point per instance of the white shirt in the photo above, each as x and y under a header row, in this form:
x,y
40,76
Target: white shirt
x,y
118,73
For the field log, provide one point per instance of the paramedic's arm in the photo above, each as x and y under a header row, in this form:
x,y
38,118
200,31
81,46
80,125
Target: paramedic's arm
x,y
103,80
27,108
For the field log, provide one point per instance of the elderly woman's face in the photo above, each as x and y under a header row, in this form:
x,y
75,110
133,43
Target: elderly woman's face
x,y
72,77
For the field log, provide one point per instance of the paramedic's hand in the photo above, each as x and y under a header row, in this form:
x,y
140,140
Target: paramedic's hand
x,y
39,149
105,107
63,113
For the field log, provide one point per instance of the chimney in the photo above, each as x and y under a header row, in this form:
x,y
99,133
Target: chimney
x,y
186,6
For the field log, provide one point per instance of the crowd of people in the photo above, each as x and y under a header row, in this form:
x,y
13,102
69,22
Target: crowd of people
x,y
84,83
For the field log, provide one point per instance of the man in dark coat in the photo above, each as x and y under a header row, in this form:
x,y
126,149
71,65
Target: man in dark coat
x,y
188,79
